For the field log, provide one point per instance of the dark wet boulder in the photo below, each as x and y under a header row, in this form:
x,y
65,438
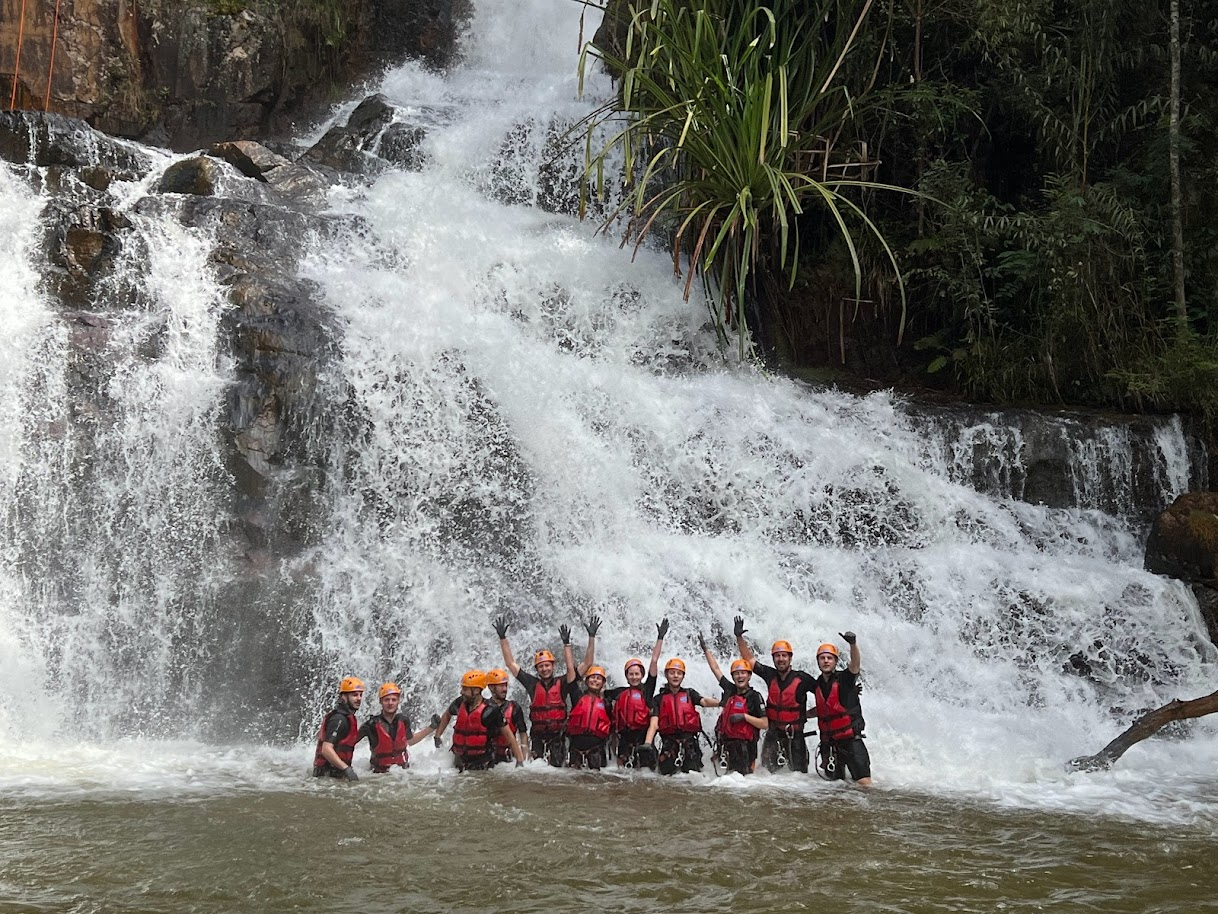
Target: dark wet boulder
x,y
401,145
198,175
249,158
348,148
41,139
1183,544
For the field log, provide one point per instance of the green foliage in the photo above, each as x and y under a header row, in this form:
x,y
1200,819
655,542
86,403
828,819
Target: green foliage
x,y
733,126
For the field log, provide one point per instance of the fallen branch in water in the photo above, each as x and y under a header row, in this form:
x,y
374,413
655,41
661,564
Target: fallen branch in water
x,y
1147,725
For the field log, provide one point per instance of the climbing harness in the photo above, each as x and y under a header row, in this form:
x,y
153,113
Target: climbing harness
x,y
826,762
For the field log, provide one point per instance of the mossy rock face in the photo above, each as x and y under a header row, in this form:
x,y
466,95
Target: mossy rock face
x,y
1183,542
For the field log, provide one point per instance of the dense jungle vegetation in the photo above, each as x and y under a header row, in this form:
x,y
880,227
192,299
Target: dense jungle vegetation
x,y
1056,240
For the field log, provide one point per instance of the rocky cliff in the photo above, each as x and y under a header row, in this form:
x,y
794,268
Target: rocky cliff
x,y
186,74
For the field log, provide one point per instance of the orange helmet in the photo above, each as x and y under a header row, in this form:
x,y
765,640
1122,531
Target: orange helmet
x,y
741,665
634,661
676,663
827,649
474,679
351,684
496,677
596,671
542,657
780,646
389,688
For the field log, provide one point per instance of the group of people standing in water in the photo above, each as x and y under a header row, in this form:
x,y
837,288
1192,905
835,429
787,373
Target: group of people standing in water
x,y
575,721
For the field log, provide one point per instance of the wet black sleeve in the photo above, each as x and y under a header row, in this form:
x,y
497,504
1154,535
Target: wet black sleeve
x,y
492,719
729,687
572,691
528,680
654,704
694,697
409,728
756,707
368,731
767,673
454,708
336,727
518,718
649,687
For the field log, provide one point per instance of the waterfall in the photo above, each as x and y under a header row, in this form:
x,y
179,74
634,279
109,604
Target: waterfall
x,y
537,425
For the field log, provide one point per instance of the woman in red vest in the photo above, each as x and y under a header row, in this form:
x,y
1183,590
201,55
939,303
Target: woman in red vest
x,y
631,706
674,716
741,719
589,724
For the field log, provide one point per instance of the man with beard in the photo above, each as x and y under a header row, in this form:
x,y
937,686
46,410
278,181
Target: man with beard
x,y
339,733
513,714
547,693
839,715
477,725
631,706
786,704
741,719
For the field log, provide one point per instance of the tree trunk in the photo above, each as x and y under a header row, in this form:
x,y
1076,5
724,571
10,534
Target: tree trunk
x,y
1147,725
1177,218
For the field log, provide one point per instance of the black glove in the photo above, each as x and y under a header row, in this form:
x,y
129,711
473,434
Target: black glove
x,y
593,625
701,642
439,743
501,627
661,629
349,774
849,637
564,632
435,721
735,718
738,628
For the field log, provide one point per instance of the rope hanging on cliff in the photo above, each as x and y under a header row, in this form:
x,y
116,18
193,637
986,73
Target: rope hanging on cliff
x,y
46,102
12,102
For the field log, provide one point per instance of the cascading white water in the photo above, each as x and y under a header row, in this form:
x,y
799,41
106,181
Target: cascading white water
x,y
544,429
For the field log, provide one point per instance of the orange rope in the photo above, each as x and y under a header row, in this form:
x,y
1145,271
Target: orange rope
x,y
46,104
12,102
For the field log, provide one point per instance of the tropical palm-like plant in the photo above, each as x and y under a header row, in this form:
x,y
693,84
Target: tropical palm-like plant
x,y
733,120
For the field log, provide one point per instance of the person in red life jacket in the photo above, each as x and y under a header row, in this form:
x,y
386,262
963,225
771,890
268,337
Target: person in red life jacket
x,y
513,714
674,715
741,719
477,724
547,693
339,733
389,734
785,745
839,715
590,723
631,706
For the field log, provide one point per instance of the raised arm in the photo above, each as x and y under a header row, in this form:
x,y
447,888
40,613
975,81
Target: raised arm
x,y
593,626
738,629
710,658
568,655
661,631
856,659
501,629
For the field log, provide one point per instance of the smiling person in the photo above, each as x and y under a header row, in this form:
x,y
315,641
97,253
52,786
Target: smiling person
x,y
513,714
674,715
477,725
547,693
631,705
786,704
839,715
389,734
589,725
339,733
742,718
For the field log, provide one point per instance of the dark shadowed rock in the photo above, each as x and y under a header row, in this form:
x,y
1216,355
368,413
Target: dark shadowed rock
x,y
347,148
249,158
37,138
1183,543
400,145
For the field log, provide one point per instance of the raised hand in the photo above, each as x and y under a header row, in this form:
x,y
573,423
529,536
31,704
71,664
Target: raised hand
x,y
849,637
564,632
593,625
501,627
701,642
738,628
661,629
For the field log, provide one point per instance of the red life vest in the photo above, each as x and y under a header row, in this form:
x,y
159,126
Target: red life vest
x,y
834,722
630,711
470,736
509,714
737,704
548,711
589,717
389,749
345,747
678,714
783,707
